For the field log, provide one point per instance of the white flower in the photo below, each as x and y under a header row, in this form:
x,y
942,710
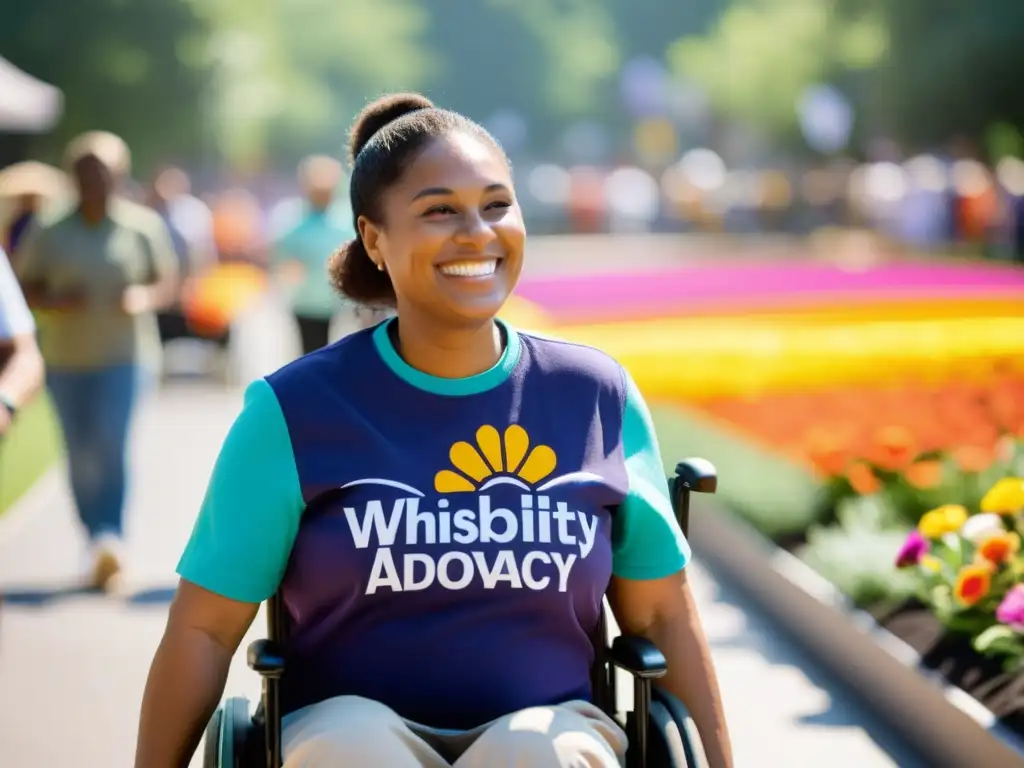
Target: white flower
x,y
980,527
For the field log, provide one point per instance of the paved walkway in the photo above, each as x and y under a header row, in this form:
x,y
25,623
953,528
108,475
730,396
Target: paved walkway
x,y
72,666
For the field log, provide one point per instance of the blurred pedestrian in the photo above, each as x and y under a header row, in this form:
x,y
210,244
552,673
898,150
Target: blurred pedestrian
x,y
21,364
26,189
190,223
300,254
98,274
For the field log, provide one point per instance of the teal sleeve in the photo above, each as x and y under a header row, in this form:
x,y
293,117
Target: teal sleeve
x,y
647,542
243,537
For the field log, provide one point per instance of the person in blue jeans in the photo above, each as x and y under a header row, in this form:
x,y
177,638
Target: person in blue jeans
x,y
442,502
96,276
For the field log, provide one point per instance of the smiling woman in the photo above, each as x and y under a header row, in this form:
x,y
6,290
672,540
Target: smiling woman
x,y
448,233
440,484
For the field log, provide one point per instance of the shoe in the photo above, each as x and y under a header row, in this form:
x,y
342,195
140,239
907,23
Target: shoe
x,y
106,566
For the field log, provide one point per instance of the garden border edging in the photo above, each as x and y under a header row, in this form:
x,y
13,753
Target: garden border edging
x,y
940,720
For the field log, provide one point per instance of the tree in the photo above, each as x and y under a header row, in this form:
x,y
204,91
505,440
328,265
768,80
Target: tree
x,y
119,64
762,54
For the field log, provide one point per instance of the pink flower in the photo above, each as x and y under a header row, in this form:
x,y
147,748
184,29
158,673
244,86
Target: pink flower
x,y
913,549
1011,611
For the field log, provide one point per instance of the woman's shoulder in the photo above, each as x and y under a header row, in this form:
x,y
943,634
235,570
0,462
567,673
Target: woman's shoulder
x,y
325,364
135,217
554,355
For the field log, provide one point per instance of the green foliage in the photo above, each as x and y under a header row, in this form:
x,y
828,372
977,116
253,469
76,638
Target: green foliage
x,y
921,70
762,55
1002,642
119,65
31,448
777,497
247,81
857,553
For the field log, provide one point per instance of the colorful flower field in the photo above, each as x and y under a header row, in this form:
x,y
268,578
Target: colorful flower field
x,y
869,420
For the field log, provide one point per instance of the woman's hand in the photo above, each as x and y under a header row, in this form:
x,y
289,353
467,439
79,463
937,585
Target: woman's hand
x,y
664,612
43,300
137,299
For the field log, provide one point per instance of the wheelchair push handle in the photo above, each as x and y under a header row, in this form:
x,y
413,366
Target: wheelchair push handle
x,y
692,476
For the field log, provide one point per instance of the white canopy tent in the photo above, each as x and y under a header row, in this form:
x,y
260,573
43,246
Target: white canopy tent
x,y
27,105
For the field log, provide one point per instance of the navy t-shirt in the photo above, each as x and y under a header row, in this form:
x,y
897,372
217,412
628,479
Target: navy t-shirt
x,y
441,545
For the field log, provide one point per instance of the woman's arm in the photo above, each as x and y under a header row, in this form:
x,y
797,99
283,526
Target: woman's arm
x,y
33,269
162,289
186,679
664,611
21,364
234,560
649,593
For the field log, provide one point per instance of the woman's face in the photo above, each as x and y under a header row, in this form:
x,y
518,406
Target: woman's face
x,y
452,237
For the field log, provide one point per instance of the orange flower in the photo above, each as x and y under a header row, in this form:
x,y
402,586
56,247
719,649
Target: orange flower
x,y
924,474
894,448
973,458
972,584
827,453
1000,547
862,479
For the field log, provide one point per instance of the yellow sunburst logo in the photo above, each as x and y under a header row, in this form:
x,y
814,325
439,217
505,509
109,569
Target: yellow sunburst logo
x,y
494,456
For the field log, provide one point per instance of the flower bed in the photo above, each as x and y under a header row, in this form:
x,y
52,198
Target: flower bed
x,y
916,513
841,408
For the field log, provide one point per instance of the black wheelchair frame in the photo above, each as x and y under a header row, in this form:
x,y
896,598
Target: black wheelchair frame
x,y
660,731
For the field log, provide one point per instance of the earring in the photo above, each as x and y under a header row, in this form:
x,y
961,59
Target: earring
x,y
380,266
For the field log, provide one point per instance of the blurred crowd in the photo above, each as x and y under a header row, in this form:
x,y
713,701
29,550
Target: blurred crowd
x,y
229,244
927,202
114,272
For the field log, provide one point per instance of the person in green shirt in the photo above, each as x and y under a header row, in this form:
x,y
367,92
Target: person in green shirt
x,y
96,275
301,252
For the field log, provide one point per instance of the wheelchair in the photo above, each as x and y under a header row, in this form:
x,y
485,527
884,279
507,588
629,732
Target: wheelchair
x,y
660,730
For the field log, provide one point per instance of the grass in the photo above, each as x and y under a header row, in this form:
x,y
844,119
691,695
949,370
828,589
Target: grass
x,y
28,450
773,494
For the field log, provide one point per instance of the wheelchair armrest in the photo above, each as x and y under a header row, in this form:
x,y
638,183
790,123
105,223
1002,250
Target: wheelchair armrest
x,y
266,658
697,475
638,656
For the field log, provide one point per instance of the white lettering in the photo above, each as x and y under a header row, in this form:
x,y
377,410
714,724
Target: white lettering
x,y
374,518
465,523
383,573
589,526
410,584
563,516
413,517
504,569
487,517
564,565
543,520
444,527
528,579
444,577
527,504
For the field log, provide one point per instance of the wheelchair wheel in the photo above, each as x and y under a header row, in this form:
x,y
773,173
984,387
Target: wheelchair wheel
x,y
211,748
675,740
227,735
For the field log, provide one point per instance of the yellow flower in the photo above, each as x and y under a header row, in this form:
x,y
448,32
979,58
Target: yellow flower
x,y
930,563
946,519
1006,497
972,584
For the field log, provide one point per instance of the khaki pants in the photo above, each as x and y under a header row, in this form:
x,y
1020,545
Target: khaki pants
x,y
353,732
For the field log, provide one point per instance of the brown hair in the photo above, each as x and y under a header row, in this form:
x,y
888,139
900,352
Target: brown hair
x,y
385,138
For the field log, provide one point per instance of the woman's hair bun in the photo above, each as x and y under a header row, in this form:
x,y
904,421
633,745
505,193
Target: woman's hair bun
x,y
379,113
